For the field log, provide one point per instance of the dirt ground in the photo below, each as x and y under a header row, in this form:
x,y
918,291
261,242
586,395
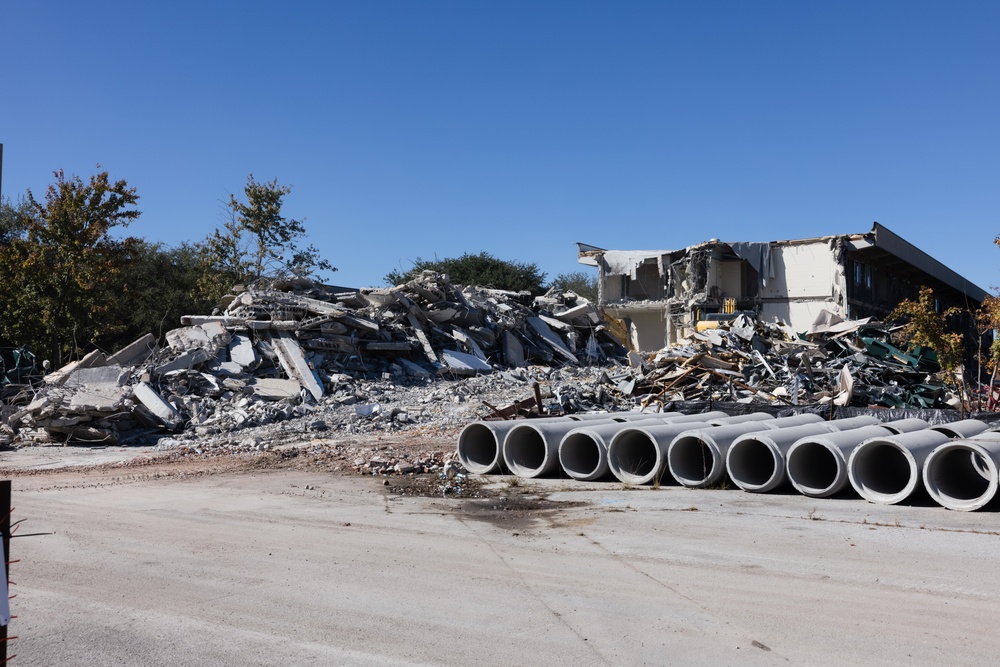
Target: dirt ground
x,y
293,557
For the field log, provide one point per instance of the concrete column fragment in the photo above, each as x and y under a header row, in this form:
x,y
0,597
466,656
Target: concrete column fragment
x,y
162,410
294,363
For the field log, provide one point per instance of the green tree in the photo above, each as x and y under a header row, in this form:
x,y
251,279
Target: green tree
x,y
61,269
14,218
257,241
162,284
483,269
584,284
926,326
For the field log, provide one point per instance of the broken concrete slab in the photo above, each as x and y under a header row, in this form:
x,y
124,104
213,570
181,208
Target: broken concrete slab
x,y
414,369
242,352
294,363
188,338
274,389
464,364
551,338
584,310
153,402
513,351
95,358
97,389
185,361
134,353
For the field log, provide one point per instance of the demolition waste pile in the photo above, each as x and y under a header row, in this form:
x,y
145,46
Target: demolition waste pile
x,y
535,386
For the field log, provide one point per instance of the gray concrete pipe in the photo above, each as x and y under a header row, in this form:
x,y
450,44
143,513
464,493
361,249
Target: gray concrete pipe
x,y
906,425
962,475
583,452
888,469
697,457
706,417
756,461
480,444
965,428
740,419
816,465
638,454
531,449
625,417
581,417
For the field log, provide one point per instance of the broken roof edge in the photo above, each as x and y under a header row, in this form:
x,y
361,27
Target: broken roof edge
x,y
879,236
896,245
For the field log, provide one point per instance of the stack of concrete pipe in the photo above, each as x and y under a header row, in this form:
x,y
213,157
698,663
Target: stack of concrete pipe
x,y
817,465
958,463
638,454
963,474
888,469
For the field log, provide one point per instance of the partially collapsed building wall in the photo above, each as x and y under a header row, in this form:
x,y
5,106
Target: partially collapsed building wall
x,y
666,295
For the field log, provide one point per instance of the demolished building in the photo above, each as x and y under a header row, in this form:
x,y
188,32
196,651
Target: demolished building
x,y
663,295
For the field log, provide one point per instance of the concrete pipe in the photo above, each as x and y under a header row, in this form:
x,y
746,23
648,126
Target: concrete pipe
x,y
739,419
625,417
953,473
965,428
887,469
816,465
587,416
531,449
583,452
981,467
706,417
906,425
698,457
756,461
480,444
638,454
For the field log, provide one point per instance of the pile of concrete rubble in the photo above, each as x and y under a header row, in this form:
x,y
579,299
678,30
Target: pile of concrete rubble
x,y
846,363
277,352
296,355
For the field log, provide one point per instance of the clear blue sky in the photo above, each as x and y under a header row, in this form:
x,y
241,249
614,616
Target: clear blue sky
x,y
428,129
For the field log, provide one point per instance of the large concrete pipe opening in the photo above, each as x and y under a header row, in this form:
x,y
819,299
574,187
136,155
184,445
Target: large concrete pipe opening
x,y
693,460
815,468
952,475
633,456
581,455
751,463
480,446
882,471
524,451
888,469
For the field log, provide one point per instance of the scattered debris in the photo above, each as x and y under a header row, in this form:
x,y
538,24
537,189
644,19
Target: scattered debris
x,y
291,349
742,360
